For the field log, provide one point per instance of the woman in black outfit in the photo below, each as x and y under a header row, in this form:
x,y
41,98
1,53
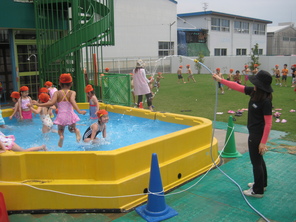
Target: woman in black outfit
x,y
259,125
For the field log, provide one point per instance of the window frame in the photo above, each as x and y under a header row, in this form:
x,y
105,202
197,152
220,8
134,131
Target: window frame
x,y
241,52
241,27
220,52
259,29
164,48
221,25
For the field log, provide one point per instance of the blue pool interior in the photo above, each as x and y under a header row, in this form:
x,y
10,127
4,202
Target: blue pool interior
x,y
122,130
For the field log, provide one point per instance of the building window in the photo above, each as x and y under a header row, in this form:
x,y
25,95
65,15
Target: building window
x,y
3,36
258,29
241,51
215,24
222,25
164,49
196,37
241,27
220,52
260,51
286,38
293,39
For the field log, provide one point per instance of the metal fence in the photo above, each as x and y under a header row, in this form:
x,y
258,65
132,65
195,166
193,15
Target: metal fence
x,y
114,89
170,64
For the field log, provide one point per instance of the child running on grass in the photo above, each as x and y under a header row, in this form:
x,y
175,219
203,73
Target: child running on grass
x,y
94,105
65,98
91,133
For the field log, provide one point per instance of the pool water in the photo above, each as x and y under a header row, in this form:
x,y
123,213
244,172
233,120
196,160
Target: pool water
x,y
122,130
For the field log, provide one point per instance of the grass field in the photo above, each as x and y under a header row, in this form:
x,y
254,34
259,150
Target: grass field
x,y
199,99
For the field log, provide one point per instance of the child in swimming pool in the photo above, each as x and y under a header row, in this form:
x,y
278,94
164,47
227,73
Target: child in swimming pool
x,y
94,105
51,88
44,113
7,143
65,99
15,97
91,133
46,91
2,122
25,102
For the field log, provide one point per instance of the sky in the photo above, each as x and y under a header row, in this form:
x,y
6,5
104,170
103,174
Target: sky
x,y
276,11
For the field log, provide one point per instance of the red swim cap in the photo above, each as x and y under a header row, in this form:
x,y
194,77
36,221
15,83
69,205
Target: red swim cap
x,y
15,95
24,88
65,78
43,97
102,112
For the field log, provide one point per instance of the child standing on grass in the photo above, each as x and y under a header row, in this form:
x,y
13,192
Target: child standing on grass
x,y
237,77
293,68
221,76
158,78
255,70
94,105
246,72
230,76
45,113
190,74
285,72
15,97
91,133
7,143
25,102
277,74
179,72
65,98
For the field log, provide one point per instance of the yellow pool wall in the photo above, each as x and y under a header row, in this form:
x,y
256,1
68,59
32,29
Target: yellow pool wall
x,y
182,156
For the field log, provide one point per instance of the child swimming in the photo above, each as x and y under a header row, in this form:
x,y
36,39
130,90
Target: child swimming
x,y
91,133
65,99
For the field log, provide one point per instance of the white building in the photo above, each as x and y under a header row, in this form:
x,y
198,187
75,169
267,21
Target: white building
x,y
227,34
281,40
143,29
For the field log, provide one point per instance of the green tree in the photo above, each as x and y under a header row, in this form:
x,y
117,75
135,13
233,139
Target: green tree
x,y
200,58
254,56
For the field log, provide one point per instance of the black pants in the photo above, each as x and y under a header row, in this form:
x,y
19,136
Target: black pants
x,y
148,97
259,167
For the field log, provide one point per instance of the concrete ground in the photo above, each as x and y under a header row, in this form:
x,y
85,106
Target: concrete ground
x,y
241,140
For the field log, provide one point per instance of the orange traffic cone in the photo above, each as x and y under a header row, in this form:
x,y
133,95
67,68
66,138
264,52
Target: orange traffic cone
x,y
3,211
